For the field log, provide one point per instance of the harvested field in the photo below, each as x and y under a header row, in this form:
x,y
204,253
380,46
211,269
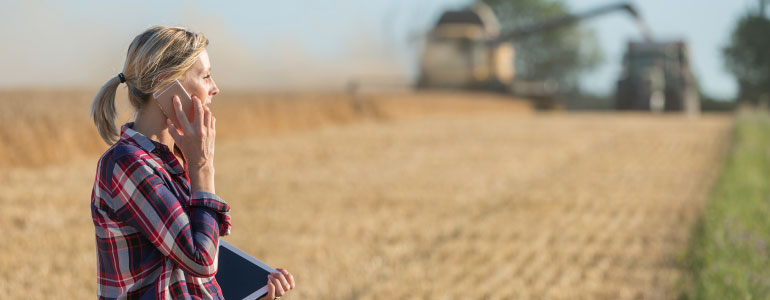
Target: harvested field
x,y
493,203
38,127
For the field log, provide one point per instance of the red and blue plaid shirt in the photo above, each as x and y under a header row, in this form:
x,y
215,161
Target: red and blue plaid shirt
x,y
154,239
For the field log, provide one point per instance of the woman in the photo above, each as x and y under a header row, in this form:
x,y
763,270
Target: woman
x,y
154,207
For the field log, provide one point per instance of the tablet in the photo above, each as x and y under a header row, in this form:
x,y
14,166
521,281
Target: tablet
x,y
240,275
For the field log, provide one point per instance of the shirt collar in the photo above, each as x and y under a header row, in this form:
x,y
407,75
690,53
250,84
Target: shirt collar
x,y
132,136
127,132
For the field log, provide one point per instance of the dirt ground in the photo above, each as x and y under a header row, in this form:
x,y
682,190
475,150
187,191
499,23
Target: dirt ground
x,y
486,206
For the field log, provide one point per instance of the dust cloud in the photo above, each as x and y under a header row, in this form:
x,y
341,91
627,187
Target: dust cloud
x,y
66,45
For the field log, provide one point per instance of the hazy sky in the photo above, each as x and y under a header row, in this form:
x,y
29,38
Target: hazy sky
x,y
311,44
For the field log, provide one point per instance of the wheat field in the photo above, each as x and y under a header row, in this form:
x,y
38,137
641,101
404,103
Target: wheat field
x,y
426,196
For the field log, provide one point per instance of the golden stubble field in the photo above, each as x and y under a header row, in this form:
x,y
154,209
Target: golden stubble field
x,y
427,196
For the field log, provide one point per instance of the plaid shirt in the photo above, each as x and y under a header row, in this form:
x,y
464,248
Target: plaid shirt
x,y
154,240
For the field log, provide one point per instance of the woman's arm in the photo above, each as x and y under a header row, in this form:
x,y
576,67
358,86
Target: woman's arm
x,y
190,241
145,203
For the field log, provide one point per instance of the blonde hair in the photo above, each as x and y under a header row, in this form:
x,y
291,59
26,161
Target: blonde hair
x,y
155,58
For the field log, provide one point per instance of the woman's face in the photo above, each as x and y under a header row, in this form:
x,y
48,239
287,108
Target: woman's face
x,y
198,81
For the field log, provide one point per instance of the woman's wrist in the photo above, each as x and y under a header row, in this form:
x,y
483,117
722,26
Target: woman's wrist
x,y
202,179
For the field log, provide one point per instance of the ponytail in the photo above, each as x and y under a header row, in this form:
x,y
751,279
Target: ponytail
x,y
103,110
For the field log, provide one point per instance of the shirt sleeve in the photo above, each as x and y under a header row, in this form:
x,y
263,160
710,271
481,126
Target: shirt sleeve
x,y
144,201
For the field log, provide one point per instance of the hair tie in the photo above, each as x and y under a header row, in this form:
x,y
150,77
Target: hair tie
x,y
122,78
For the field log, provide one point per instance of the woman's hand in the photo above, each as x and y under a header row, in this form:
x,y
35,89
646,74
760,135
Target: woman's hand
x,y
196,140
278,284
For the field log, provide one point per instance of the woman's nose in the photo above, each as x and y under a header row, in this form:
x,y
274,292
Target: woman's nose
x,y
214,90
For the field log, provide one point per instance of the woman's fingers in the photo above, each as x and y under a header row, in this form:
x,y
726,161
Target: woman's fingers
x,y
173,131
181,116
288,277
279,283
206,121
284,281
214,125
270,289
198,111
279,289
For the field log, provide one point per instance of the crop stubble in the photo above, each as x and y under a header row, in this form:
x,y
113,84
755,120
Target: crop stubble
x,y
498,205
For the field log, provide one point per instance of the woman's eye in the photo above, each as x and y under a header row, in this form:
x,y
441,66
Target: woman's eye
x,y
207,76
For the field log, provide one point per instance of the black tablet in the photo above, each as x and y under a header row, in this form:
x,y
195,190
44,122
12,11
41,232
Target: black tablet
x,y
240,275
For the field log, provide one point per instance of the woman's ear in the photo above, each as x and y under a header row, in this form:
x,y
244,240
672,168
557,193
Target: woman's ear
x,y
161,76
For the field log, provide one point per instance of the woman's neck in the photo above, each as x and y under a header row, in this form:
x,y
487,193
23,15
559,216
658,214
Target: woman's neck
x,y
151,122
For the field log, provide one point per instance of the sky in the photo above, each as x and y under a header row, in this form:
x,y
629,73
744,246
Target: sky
x,y
294,44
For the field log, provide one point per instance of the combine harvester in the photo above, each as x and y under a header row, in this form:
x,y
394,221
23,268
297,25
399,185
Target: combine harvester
x,y
465,50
